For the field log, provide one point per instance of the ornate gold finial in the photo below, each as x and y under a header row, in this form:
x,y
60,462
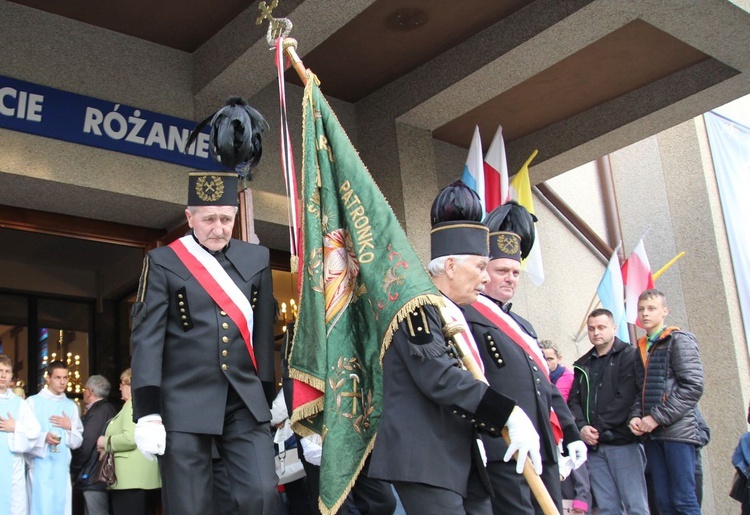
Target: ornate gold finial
x,y
450,329
266,11
277,27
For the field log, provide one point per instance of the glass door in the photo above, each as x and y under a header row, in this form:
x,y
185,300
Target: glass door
x,y
63,334
14,335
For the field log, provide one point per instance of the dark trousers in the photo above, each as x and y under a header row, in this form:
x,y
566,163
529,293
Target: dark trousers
x,y
367,497
223,500
512,492
130,502
246,449
672,466
422,499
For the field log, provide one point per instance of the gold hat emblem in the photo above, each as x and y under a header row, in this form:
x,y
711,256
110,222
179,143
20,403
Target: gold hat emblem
x,y
509,243
209,188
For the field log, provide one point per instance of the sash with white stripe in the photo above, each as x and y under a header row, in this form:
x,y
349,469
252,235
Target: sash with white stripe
x,y
220,287
507,325
512,329
458,316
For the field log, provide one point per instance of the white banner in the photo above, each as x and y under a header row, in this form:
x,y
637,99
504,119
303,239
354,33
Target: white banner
x,y
730,148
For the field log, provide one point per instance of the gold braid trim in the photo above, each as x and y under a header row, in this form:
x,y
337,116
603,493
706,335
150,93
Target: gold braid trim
x,y
143,282
421,300
325,510
311,408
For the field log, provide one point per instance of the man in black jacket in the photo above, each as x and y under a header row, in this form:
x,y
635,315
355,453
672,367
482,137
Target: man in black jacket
x,y
203,357
515,366
603,391
98,412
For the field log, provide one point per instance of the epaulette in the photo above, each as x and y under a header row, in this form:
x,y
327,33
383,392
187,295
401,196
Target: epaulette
x,y
422,342
418,327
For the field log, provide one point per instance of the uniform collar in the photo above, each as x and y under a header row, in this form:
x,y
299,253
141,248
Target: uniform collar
x,y
505,307
214,253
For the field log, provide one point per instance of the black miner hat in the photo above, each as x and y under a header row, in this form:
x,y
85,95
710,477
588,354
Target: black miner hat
x,y
456,223
511,231
212,189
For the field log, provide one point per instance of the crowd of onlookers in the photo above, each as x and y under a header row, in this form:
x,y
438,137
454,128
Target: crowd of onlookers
x,y
635,407
609,394
51,455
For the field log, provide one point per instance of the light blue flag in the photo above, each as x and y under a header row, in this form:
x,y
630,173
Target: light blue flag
x,y
611,293
473,174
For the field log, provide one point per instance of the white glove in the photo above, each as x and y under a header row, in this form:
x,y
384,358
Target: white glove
x,y
565,464
523,439
150,436
283,434
578,452
312,450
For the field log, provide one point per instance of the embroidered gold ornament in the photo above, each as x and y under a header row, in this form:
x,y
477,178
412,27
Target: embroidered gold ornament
x,y
508,243
209,188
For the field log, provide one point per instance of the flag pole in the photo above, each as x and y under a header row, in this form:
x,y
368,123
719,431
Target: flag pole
x,y
290,47
586,316
530,159
668,265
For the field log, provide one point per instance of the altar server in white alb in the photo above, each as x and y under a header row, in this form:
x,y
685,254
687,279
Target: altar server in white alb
x,y
49,459
18,431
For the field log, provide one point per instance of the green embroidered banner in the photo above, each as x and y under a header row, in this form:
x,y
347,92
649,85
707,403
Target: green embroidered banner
x,y
360,277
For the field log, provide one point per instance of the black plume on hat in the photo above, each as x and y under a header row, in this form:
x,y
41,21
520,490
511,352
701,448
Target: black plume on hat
x,y
235,137
513,217
456,202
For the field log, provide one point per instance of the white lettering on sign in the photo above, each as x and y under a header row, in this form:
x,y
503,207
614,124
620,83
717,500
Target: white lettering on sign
x,y
140,131
21,104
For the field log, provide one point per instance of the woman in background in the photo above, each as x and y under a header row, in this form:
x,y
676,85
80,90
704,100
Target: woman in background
x,y
559,375
576,487
138,482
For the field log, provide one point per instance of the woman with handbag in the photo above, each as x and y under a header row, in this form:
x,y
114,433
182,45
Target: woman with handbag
x,y
137,487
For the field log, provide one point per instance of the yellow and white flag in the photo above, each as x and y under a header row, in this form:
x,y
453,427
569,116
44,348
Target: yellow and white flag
x,y
520,191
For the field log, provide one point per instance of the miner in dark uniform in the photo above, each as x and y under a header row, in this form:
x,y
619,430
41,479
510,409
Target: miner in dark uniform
x,y
426,443
515,366
203,357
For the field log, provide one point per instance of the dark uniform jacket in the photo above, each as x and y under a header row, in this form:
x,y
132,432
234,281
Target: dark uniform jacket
x,y
187,351
614,393
431,408
514,373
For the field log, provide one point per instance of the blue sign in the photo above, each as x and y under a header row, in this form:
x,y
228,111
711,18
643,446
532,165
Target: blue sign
x,y
49,112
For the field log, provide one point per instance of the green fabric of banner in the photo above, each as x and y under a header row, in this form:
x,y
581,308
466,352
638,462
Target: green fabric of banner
x,y
360,278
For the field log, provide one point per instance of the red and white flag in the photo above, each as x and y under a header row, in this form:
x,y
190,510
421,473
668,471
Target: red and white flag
x,y
636,274
495,173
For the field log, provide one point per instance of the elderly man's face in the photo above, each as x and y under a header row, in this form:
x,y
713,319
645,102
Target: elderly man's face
x,y
212,225
467,279
504,273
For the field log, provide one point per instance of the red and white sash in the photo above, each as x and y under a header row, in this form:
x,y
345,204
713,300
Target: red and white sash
x,y
458,316
510,328
221,288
